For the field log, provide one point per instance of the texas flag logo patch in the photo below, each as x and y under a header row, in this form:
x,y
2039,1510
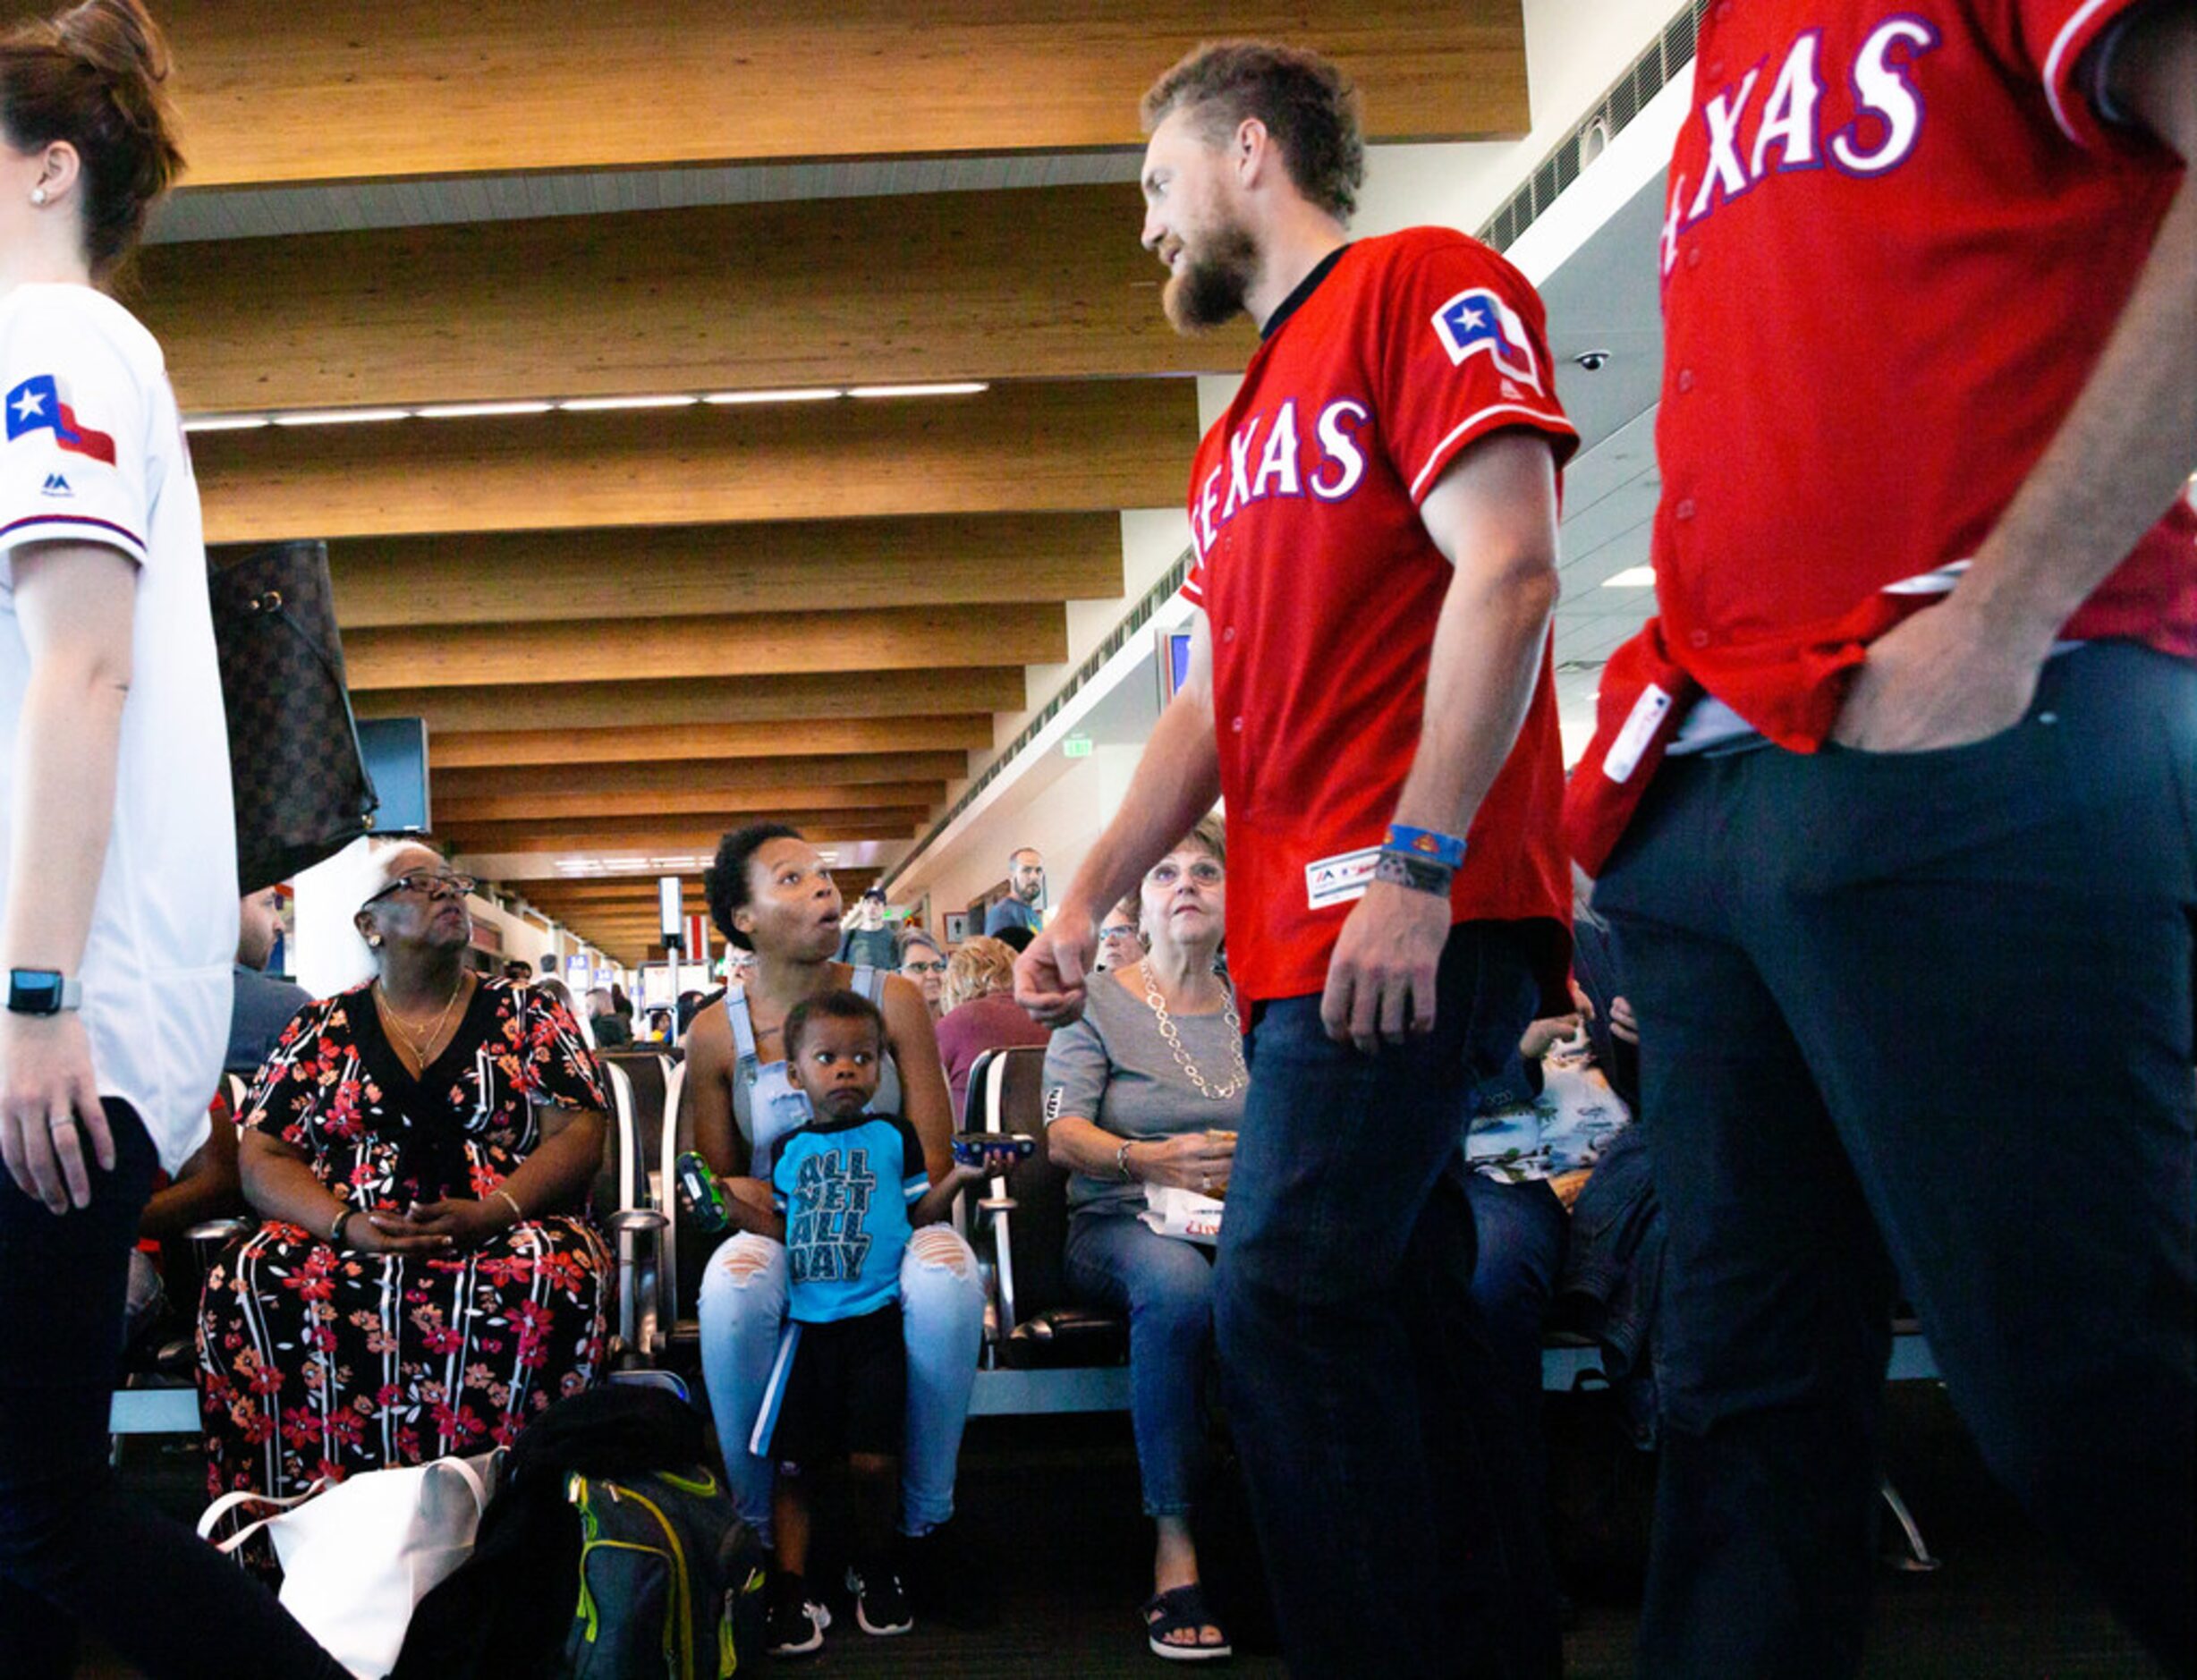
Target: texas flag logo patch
x,y
35,405
1477,322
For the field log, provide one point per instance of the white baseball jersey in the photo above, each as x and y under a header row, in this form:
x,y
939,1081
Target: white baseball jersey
x,y
94,452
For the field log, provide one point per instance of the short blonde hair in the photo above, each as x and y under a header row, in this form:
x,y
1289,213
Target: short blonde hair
x,y
977,968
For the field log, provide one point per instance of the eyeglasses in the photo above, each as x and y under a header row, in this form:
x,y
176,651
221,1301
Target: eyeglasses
x,y
1120,930
1205,872
427,884
922,968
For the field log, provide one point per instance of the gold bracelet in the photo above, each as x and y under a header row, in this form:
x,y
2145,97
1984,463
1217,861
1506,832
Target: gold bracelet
x,y
518,1214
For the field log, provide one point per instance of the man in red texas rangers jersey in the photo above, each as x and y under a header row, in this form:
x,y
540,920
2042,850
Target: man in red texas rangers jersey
x,y
1896,796
1374,522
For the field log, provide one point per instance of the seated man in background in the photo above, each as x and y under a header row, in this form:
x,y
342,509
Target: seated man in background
x,y
264,1005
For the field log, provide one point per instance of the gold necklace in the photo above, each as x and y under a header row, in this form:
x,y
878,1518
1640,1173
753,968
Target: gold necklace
x,y
418,1045
1174,1038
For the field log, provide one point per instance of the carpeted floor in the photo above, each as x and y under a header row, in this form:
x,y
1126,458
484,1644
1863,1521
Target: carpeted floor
x,y
1051,1507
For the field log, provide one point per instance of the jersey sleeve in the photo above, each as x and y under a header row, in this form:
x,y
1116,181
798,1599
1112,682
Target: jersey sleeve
x,y
1463,351
72,467
2053,43
1076,1069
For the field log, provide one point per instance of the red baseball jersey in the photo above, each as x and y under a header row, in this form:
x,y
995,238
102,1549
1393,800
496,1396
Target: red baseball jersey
x,y
1898,235
1322,587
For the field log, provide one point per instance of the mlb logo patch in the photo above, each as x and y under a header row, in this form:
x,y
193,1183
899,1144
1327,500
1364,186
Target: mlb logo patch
x,y
1479,323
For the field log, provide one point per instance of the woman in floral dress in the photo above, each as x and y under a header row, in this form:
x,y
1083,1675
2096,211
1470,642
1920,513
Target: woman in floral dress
x,y
420,1148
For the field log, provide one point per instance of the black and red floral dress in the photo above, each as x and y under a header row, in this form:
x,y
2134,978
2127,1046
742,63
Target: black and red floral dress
x,y
315,1361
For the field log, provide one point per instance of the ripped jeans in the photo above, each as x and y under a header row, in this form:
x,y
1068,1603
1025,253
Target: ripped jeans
x,y
743,1303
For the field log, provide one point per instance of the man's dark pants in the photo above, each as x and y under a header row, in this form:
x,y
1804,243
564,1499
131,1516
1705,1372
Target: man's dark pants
x,y
73,1547
1920,1022
1383,1457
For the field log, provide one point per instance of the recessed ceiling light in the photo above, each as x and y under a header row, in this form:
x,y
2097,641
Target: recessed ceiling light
x,y
585,405
227,423
341,416
468,410
1631,578
961,388
728,399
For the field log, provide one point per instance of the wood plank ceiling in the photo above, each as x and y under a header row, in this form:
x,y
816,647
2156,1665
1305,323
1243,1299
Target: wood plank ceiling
x,y
629,630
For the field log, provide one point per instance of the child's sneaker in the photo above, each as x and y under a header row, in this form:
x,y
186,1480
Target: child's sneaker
x,y
794,1623
880,1600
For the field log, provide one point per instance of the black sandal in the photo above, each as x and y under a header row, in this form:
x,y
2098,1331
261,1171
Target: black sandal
x,y
1182,1611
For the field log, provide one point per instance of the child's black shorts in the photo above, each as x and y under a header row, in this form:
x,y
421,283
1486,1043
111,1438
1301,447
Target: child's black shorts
x,y
847,1391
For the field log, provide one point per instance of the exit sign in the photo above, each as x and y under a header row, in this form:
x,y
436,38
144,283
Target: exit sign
x,y
1075,747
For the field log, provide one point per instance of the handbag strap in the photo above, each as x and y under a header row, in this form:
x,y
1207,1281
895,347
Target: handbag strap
x,y
228,1502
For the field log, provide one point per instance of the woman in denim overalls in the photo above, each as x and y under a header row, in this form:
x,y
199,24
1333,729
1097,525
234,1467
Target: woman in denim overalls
x,y
770,892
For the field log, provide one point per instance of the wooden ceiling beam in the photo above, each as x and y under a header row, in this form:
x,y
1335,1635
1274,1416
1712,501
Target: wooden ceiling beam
x,y
566,808
659,834
352,90
760,644
1065,448
745,776
688,571
916,739
1045,283
671,705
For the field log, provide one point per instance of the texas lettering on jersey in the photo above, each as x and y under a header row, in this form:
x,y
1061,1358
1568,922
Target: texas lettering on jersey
x,y
1326,459
1863,119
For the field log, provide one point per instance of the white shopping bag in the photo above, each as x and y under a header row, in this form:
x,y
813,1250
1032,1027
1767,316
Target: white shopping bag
x,y
1182,1213
357,1555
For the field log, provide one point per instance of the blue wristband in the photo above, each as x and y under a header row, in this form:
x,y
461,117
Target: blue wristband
x,y
1445,849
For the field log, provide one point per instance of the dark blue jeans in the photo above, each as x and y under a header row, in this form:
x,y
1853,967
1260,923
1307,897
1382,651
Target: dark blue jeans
x,y
1164,1286
1926,1017
1519,1230
72,1549
1383,1455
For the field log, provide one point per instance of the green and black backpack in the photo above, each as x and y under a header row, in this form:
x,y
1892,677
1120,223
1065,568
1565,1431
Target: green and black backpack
x,y
671,1579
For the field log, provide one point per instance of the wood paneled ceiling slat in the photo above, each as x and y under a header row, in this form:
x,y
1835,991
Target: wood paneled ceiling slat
x,y
673,704
918,287
761,644
679,834
678,571
464,814
917,739
360,89
1061,447
649,775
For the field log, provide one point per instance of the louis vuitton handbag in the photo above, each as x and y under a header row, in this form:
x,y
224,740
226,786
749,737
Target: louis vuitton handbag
x,y
299,780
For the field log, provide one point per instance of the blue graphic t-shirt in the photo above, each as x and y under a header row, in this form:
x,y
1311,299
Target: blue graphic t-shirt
x,y
846,1187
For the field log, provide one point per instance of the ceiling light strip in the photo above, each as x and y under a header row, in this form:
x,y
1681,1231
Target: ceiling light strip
x,y
577,405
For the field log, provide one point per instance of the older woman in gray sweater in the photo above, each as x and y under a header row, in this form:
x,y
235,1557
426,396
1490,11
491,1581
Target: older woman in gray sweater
x,y
1147,1089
